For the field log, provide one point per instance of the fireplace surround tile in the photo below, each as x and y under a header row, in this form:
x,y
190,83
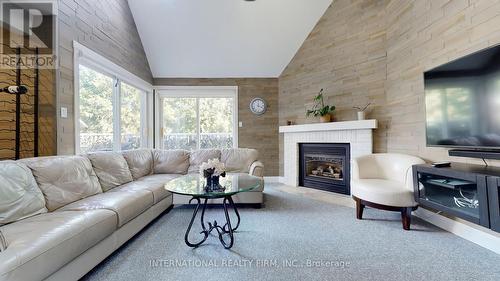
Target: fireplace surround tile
x,y
360,138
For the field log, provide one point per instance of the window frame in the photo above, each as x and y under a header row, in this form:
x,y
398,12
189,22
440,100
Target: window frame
x,y
194,92
90,59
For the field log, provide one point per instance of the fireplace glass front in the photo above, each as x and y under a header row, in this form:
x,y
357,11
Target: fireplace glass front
x,y
325,166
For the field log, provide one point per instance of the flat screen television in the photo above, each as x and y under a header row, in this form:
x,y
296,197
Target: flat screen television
x,y
462,102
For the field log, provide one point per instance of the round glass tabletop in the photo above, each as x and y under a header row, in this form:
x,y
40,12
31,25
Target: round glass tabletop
x,y
194,185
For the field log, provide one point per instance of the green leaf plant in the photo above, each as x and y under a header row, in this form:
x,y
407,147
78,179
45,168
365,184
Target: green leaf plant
x,y
319,108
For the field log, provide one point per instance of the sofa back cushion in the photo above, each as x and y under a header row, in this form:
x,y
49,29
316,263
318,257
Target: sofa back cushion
x,y
111,168
140,162
64,179
196,158
20,196
239,160
170,161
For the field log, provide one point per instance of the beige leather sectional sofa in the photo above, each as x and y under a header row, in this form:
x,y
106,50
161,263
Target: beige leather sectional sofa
x,y
62,215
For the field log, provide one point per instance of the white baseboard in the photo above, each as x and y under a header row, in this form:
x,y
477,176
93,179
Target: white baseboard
x,y
272,179
483,238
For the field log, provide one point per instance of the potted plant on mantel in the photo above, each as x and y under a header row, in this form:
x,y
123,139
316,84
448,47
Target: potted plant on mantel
x,y
320,109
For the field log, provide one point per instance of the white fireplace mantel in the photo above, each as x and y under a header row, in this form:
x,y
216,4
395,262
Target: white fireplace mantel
x,y
357,133
331,126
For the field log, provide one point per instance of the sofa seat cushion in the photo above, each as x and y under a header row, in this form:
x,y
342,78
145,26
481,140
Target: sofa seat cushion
x,y
198,157
64,179
140,162
174,161
127,205
385,192
239,160
40,245
111,168
153,183
20,196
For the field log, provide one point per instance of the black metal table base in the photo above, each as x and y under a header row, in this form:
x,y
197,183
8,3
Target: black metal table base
x,y
225,230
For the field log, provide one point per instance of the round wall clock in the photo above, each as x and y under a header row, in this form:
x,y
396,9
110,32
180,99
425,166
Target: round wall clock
x,y
258,106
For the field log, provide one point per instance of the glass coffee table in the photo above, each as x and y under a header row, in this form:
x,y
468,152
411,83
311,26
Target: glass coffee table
x,y
194,185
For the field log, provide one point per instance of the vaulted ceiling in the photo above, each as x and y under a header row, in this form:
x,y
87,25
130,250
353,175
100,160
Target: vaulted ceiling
x,y
223,38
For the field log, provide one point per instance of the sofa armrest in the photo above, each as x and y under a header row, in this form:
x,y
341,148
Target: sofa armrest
x,y
257,169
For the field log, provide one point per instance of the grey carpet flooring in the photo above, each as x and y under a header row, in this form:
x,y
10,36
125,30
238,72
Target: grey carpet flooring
x,y
296,238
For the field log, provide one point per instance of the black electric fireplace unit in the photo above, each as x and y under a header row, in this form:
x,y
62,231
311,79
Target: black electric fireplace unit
x,y
325,166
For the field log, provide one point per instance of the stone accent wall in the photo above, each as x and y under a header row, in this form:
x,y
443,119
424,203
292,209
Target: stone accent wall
x,y
376,51
259,132
420,36
108,28
345,54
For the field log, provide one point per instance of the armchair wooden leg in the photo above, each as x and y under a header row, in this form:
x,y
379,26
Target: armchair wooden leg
x,y
359,208
406,218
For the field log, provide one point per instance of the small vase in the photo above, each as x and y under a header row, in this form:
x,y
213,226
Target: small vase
x,y
361,115
212,183
215,181
325,118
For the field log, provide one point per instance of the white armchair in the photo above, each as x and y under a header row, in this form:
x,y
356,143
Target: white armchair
x,y
385,181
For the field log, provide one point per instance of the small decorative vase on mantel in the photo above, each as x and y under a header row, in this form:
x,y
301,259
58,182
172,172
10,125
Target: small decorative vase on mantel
x,y
361,111
361,115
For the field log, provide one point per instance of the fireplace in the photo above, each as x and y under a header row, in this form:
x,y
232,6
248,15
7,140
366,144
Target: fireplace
x,y
325,166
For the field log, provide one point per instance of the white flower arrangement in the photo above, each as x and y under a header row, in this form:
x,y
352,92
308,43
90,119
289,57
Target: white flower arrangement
x,y
213,168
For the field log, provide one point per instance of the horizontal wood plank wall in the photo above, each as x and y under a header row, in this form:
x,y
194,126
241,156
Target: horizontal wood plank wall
x,y
106,27
376,51
422,35
259,132
345,54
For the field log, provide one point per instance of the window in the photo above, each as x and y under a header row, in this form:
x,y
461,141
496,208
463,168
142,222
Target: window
x,y
96,110
198,118
110,111
131,115
180,123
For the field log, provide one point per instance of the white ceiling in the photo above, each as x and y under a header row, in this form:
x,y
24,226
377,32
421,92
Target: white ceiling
x,y
223,38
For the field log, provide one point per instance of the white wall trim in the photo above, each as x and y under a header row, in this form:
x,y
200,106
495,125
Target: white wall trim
x,y
159,88
107,66
85,56
332,126
477,236
272,179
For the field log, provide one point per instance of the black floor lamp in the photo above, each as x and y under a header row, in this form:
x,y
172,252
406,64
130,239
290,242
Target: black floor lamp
x,y
18,90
